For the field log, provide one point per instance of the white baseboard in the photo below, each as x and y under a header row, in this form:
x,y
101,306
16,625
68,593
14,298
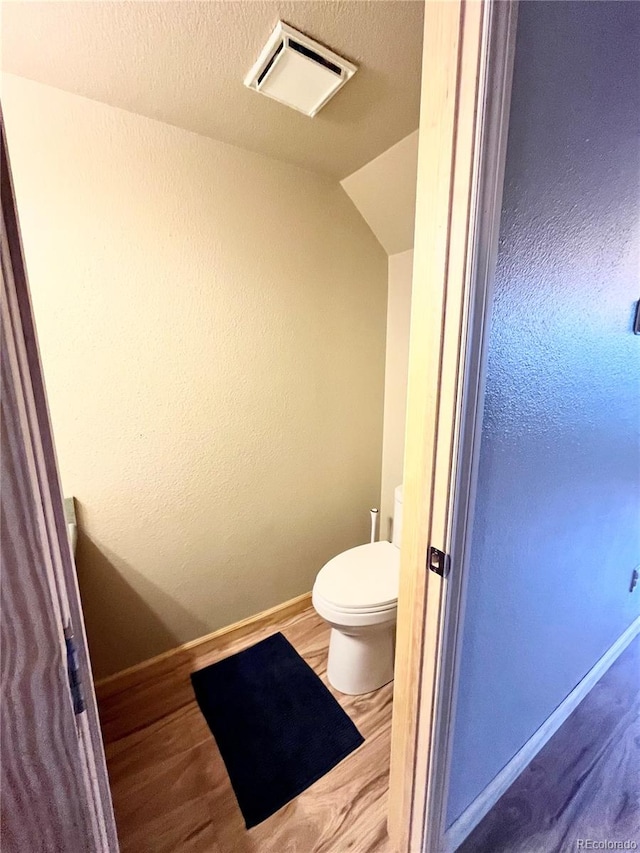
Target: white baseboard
x,y
474,813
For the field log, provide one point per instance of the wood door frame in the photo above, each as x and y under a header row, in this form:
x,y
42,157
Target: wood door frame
x,y
26,374
466,91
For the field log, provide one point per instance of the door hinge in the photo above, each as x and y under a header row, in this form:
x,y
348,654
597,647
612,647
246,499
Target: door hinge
x,y
73,671
438,562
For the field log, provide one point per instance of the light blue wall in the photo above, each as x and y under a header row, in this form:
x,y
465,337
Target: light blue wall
x,y
557,519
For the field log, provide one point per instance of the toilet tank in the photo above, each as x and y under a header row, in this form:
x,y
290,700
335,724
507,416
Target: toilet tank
x,y
397,517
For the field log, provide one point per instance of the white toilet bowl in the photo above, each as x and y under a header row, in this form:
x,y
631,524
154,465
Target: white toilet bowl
x,y
357,594
361,646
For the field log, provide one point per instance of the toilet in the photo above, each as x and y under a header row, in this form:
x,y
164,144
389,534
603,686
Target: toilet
x,y
356,592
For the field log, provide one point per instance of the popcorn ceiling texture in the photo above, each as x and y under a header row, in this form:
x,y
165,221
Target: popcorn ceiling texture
x,y
184,63
212,329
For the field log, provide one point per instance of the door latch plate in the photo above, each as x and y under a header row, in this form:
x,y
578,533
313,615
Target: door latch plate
x,y
438,562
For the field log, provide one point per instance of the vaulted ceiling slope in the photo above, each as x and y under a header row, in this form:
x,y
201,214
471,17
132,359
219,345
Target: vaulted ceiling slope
x,y
384,191
184,63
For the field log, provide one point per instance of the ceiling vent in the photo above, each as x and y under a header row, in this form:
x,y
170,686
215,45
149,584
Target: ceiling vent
x,y
297,71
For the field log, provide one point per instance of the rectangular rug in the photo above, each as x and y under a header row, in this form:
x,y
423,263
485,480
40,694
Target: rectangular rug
x,y
277,726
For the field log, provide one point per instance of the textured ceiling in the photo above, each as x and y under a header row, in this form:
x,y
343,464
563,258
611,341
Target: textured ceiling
x,y
184,63
384,191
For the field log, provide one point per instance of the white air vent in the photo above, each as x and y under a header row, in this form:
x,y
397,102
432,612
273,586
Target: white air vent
x,y
297,71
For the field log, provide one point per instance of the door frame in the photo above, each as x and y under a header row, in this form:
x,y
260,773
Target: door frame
x,y
466,92
25,371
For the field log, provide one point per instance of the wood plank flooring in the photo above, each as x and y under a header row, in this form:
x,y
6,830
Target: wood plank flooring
x,y
171,791
584,783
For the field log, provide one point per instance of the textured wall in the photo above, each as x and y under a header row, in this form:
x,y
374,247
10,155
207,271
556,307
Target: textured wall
x,y
557,525
212,326
395,382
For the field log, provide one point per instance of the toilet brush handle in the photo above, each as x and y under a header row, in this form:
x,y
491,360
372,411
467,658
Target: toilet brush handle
x,y
374,521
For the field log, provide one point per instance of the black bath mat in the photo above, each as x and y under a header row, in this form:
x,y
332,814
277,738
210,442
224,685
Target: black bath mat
x,y
277,726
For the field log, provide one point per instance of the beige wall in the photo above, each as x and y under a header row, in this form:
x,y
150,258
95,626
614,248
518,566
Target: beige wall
x,y
384,191
395,382
212,327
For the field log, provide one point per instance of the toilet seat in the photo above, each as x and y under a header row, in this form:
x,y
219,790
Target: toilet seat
x,y
385,608
363,580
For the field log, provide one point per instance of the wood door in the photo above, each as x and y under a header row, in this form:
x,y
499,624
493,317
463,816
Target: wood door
x,y
465,42
53,778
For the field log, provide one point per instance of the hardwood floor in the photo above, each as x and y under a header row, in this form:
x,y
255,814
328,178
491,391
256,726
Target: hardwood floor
x,y
584,783
171,791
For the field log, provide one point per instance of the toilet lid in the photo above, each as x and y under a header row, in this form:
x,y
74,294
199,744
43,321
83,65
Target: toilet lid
x,y
362,577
